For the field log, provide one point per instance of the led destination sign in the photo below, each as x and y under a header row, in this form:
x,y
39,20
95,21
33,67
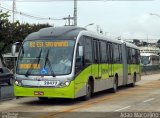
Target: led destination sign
x,y
27,66
48,44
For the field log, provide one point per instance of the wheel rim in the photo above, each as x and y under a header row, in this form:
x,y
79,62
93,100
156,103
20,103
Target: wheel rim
x,y
88,90
134,81
115,85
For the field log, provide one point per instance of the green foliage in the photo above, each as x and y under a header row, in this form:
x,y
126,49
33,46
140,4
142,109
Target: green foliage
x,y
158,43
12,32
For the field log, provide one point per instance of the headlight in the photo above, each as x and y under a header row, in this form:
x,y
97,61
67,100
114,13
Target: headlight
x,y
18,83
65,83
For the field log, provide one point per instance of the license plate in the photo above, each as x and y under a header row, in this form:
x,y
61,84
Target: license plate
x,y
51,83
40,83
38,93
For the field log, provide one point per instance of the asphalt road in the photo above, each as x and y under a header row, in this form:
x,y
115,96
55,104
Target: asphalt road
x,y
144,97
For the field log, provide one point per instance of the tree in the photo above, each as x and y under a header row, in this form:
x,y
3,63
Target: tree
x,y
158,43
136,42
13,32
144,43
4,29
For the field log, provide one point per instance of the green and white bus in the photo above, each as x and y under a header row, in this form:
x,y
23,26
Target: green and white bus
x,y
96,63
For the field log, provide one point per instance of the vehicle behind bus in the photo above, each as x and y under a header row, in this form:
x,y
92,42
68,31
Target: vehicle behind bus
x,y
6,76
150,59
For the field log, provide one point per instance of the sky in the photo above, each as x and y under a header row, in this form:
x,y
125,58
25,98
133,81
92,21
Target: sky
x,y
127,19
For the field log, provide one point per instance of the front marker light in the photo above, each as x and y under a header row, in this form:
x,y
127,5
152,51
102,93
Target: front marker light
x,y
67,83
16,82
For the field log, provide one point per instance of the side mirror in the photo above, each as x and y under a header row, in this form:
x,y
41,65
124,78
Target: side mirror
x,y
80,48
14,48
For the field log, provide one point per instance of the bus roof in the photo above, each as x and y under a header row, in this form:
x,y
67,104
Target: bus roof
x,y
56,32
99,36
71,32
109,39
131,45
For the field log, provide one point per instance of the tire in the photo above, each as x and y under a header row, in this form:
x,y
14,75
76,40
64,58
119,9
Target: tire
x,y
134,82
115,86
10,81
88,91
43,98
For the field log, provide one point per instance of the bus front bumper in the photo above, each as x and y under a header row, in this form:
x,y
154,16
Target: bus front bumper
x,y
63,92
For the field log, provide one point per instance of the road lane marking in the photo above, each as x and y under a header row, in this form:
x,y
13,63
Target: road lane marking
x,y
123,108
102,99
149,100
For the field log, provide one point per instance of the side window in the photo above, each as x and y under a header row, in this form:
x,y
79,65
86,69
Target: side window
x,y
103,51
137,56
129,52
116,54
96,51
88,50
79,60
109,53
133,56
81,41
120,52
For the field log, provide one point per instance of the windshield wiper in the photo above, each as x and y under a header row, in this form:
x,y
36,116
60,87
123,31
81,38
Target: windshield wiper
x,y
49,63
30,69
39,57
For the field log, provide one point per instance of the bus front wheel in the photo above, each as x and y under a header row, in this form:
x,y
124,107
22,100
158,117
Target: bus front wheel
x,y
134,81
88,91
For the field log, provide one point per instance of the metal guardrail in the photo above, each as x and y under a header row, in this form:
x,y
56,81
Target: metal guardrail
x,y
6,92
150,69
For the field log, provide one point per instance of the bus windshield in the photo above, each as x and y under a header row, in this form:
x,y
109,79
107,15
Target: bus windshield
x,y
46,57
145,60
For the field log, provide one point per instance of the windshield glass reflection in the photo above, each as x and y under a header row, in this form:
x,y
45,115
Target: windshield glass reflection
x,y
46,57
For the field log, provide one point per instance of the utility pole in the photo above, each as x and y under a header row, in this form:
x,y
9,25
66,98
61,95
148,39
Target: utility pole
x,y
98,28
154,14
14,8
69,18
75,12
0,4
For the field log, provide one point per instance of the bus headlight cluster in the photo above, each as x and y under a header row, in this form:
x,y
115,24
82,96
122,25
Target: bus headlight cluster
x,y
18,83
65,83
